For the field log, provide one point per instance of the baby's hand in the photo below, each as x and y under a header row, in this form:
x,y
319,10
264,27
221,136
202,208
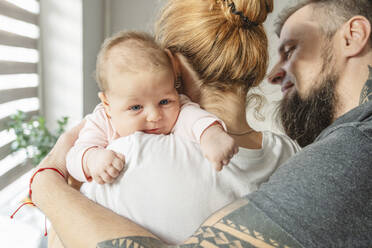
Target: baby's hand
x,y
103,165
217,146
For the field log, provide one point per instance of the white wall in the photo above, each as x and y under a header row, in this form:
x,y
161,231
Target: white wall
x,y
137,15
61,57
93,36
71,34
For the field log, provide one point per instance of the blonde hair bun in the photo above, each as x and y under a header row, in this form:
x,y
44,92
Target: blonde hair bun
x,y
213,38
244,13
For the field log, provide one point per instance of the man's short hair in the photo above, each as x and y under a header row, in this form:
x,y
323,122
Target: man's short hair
x,y
331,14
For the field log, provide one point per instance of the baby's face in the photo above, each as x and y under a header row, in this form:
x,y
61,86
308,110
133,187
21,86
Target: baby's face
x,y
142,101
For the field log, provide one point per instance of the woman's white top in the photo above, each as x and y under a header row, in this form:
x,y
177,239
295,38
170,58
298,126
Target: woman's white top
x,y
170,188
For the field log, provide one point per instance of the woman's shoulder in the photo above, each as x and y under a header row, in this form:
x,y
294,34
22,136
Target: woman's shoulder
x,y
274,146
278,141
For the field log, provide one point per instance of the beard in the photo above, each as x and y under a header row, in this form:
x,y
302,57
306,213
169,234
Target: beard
x,y
304,118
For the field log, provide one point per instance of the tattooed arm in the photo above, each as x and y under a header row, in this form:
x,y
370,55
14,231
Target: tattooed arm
x,y
240,224
366,94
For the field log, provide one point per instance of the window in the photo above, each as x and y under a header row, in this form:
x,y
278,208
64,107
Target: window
x,y
19,77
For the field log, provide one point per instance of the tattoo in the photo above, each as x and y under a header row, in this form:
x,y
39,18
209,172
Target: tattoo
x,y
240,224
246,226
132,242
366,94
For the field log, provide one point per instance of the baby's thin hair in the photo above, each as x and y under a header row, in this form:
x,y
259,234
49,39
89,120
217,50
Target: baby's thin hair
x,y
130,51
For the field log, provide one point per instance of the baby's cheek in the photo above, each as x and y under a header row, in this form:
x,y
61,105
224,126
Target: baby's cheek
x,y
126,128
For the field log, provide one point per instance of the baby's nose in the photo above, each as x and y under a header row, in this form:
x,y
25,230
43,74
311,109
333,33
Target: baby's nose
x,y
154,114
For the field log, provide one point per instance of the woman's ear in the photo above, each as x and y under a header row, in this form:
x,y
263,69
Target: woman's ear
x,y
175,63
356,35
190,80
105,103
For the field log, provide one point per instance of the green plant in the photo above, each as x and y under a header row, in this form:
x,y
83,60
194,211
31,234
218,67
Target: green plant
x,y
33,136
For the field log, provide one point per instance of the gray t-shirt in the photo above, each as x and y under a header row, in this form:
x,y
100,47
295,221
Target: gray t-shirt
x,y
322,196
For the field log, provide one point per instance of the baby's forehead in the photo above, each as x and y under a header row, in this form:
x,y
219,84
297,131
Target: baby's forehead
x,y
133,84
133,56
127,47
124,56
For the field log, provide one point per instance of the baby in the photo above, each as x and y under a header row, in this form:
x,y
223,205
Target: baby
x,y
138,93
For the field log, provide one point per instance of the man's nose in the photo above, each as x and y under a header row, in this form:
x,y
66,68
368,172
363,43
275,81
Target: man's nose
x,y
154,114
276,75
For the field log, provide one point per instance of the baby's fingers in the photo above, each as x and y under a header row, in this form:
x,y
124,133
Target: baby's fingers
x,y
98,179
218,165
222,162
120,156
113,172
236,150
107,178
225,162
118,164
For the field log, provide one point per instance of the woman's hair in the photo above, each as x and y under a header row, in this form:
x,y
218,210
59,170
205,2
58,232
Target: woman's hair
x,y
223,40
130,51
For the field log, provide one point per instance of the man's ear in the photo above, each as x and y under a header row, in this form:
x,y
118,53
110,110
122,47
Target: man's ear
x,y
105,103
356,35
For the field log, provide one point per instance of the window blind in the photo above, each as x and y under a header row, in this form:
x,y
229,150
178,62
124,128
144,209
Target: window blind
x,y
19,78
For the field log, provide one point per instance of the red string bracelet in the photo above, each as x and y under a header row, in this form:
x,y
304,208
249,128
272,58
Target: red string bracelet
x,y
30,192
89,179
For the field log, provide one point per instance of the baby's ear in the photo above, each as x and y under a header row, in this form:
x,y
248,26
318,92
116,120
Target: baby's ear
x,y
105,103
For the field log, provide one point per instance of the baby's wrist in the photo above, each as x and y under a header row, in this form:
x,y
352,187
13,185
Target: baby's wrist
x,y
214,127
86,171
86,161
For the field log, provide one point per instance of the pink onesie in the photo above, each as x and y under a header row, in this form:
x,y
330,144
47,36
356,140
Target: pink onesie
x,y
99,132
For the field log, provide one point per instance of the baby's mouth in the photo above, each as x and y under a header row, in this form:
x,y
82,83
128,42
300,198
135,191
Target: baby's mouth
x,y
152,131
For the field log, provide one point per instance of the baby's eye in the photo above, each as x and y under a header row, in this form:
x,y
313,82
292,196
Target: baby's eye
x,y
164,102
135,107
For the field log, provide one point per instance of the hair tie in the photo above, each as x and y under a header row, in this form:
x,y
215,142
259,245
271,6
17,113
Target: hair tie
x,y
245,20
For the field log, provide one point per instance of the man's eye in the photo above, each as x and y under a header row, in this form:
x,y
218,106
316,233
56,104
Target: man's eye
x,y
164,102
135,107
289,52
